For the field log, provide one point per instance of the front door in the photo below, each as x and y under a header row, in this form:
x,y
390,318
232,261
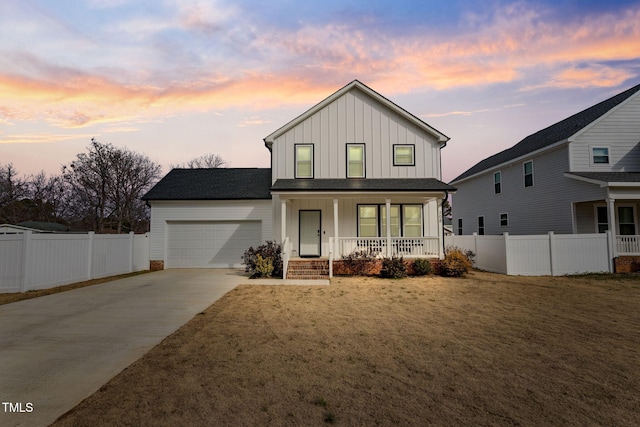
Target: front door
x,y
310,233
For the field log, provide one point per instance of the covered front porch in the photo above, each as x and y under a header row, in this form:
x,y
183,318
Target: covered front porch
x,y
330,226
617,212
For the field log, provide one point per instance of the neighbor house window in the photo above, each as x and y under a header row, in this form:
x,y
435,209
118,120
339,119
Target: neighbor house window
x,y
504,220
304,161
600,155
368,221
403,155
355,160
497,182
602,217
528,174
481,225
626,220
459,226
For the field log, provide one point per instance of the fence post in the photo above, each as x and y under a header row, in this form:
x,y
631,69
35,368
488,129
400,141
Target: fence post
x,y
552,253
131,252
505,235
610,251
90,260
26,260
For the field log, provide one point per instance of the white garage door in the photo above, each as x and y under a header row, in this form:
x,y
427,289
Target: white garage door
x,y
210,244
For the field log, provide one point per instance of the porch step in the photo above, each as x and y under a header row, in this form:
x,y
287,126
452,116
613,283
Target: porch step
x,y
308,269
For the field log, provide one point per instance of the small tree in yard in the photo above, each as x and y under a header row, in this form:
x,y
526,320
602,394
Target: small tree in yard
x,y
264,261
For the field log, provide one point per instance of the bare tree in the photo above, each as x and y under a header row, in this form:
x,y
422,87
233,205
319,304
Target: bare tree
x,y
107,184
206,161
12,192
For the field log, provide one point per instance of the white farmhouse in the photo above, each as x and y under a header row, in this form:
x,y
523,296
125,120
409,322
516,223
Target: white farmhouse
x,y
354,172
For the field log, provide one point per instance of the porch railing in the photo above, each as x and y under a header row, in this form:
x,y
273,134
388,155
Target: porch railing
x,y
628,245
395,246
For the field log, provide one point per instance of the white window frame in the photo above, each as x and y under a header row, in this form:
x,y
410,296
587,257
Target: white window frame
x,y
595,217
506,218
592,155
364,161
635,218
412,147
499,183
524,174
296,162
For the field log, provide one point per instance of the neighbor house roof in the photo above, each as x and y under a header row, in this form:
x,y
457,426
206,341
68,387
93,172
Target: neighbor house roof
x,y
605,178
442,138
45,226
361,185
213,184
555,133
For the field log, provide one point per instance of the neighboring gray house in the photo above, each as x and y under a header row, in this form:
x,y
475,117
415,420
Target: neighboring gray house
x,y
580,175
353,172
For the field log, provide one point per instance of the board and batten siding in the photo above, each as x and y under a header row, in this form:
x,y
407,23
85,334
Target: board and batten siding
x,y
546,206
164,212
355,118
620,132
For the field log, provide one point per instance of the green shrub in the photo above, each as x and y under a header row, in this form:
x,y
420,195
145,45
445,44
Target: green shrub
x,y
270,252
357,261
455,263
393,268
422,267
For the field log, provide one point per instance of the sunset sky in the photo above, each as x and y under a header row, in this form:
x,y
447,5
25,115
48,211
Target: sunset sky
x,y
175,79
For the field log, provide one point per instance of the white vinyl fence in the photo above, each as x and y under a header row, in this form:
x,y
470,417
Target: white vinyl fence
x,y
540,255
31,261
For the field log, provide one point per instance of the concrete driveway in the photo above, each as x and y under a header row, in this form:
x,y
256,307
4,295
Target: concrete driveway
x,y
59,349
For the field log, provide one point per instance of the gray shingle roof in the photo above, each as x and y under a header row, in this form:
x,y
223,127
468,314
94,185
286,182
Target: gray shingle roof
x,y
555,133
213,184
364,185
627,177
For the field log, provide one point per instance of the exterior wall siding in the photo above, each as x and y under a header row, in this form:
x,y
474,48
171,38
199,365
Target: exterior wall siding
x,y
210,210
356,118
620,131
546,206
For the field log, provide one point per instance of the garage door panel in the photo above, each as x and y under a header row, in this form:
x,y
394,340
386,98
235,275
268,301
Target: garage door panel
x,y
210,244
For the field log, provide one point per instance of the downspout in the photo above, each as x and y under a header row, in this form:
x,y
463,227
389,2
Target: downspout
x,y
446,197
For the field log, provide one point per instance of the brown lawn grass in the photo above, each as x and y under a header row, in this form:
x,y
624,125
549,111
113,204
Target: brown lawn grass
x,y
7,298
487,349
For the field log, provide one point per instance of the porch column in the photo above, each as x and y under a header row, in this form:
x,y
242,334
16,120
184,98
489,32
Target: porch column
x,y
388,226
440,225
611,208
336,243
283,219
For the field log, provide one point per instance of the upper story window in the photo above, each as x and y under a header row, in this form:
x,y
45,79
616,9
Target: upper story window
x,y
304,161
504,220
355,161
403,155
528,173
497,182
600,155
